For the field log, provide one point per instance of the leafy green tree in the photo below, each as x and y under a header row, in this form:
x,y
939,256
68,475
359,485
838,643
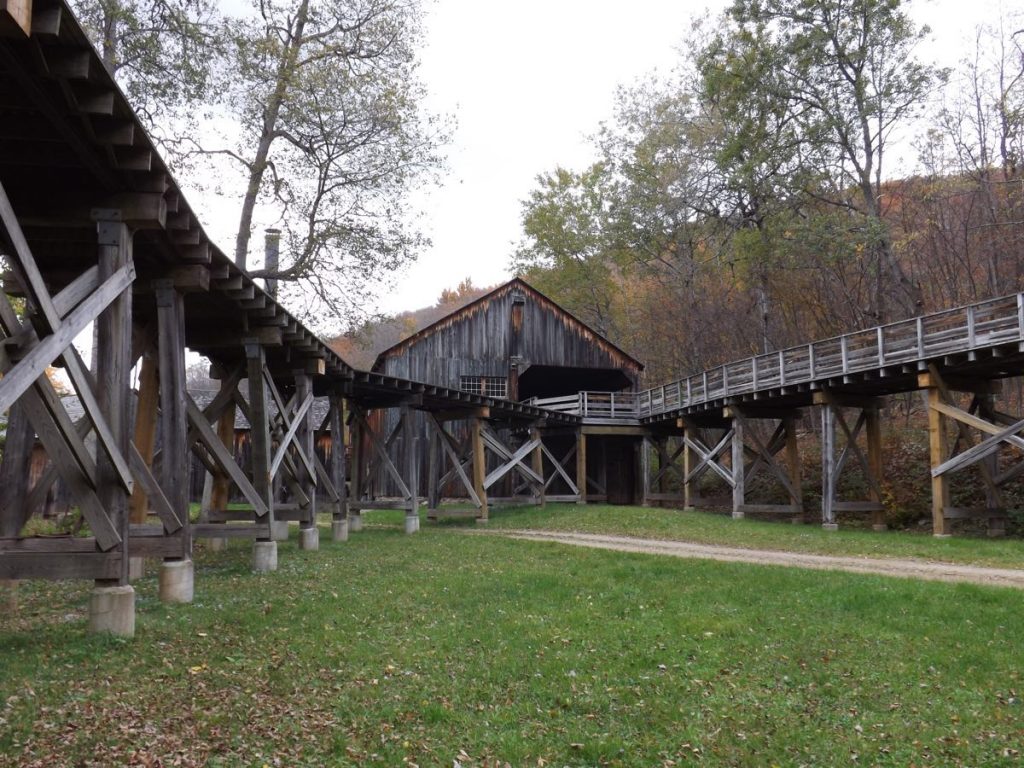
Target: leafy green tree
x,y
331,139
849,77
566,251
162,52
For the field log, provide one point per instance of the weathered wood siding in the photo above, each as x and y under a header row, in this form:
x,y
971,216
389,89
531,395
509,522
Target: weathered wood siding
x,y
478,341
501,334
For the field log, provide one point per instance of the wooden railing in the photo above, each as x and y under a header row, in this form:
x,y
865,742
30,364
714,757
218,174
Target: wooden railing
x,y
953,331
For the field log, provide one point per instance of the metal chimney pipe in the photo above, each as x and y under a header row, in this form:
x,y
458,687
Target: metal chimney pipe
x,y
272,257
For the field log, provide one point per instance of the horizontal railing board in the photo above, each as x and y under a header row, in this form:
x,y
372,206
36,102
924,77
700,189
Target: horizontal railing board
x,y
881,350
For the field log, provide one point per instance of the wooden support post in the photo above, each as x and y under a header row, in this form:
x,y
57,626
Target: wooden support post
x,y
581,466
433,473
355,518
664,458
828,467
304,438
645,471
796,496
338,469
410,467
873,429
264,555
176,579
14,471
688,484
937,434
113,355
537,463
174,456
145,430
738,467
479,467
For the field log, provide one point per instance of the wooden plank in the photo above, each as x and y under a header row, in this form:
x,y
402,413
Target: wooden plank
x,y
457,466
262,488
43,352
155,494
515,461
49,544
738,467
857,506
537,462
559,471
144,439
289,437
581,466
793,463
176,547
937,451
479,465
15,18
229,531
113,382
65,565
224,460
339,470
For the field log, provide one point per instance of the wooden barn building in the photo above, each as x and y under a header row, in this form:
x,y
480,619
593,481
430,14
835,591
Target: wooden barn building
x,y
516,343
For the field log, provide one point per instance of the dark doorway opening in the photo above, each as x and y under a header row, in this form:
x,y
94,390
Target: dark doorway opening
x,y
555,381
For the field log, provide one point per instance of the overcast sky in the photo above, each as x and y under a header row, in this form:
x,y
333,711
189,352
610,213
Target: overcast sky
x,y
527,83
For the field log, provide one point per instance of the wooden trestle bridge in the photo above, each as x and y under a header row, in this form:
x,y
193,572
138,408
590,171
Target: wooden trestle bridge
x,y
95,230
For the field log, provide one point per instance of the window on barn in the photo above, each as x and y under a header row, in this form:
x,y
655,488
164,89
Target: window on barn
x,y
489,386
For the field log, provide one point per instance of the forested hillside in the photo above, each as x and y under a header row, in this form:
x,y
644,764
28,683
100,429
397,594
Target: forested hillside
x,y
802,173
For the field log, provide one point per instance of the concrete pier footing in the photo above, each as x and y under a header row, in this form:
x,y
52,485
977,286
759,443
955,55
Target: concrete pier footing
x,y
339,530
177,581
264,556
112,611
309,539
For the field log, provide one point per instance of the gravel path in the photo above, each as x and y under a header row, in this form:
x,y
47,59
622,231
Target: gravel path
x,y
904,568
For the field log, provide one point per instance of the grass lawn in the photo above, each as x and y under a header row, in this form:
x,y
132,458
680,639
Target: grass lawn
x,y
441,649
710,528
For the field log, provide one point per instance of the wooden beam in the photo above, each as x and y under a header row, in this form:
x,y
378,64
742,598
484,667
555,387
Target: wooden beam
x,y
581,466
479,466
937,450
174,462
145,431
15,18
113,384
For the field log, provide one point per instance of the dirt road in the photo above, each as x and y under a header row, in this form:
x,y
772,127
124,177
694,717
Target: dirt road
x,y
904,568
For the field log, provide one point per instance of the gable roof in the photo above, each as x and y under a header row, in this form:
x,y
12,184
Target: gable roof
x,y
472,307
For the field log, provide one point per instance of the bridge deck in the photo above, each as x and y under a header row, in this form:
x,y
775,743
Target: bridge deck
x,y
981,341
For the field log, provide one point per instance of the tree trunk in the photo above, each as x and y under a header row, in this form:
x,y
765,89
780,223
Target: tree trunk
x,y
258,167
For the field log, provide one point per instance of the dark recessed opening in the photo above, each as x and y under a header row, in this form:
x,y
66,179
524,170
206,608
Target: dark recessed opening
x,y
554,381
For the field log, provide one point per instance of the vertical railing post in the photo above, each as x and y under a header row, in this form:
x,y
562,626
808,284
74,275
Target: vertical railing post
x,y
1020,316
971,335
844,353
782,368
753,372
811,364
881,346
920,338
